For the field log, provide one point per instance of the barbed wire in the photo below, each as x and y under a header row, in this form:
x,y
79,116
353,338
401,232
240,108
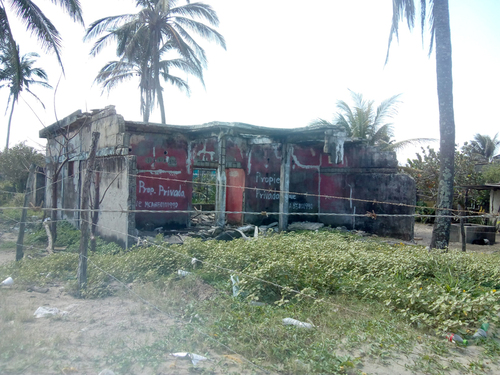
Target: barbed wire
x,y
325,196
372,215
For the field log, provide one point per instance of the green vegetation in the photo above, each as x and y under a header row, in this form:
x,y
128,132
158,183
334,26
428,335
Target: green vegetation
x,y
491,173
425,170
14,167
439,291
367,298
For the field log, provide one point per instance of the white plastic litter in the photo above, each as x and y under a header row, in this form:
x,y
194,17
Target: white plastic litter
x,y
297,323
7,281
236,289
44,311
183,273
195,358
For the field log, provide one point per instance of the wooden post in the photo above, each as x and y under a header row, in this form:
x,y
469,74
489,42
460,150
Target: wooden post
x,y
462,234
22,225
85,215
95,214
220,200
286,152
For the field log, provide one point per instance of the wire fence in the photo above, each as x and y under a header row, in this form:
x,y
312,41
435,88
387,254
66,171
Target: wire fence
x,y
464,214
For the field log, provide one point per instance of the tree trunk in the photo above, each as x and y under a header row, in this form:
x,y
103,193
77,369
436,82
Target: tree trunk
x,y
27,193
441,232
85,215
8,126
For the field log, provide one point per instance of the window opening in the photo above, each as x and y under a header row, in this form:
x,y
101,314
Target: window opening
x,y
204,181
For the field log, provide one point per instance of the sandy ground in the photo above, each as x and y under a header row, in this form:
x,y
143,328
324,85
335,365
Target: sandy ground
x,y
423,234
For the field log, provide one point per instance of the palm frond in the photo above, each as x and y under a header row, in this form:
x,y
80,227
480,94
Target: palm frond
x,y
197,10
38,24
400,145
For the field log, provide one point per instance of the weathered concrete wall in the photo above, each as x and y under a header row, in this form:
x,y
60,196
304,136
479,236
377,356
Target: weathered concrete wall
x,y
112,185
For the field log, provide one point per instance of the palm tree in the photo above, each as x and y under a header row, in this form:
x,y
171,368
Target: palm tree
x,y
115,72
484,146
37,23
145,35
441,38
363,120
18,76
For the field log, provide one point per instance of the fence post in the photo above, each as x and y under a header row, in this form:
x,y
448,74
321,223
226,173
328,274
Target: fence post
x,y
22,225
286,152
85,215
220,202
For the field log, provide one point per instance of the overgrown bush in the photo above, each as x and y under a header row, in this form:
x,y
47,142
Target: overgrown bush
x,y
440,290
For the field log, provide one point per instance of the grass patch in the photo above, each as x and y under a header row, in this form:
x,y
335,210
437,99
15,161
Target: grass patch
x,y
370,301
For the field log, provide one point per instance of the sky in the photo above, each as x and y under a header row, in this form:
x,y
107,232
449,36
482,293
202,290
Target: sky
x,y
287,63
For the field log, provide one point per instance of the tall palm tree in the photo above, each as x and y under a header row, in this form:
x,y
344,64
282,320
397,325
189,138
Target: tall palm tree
x,y
485,146
365,121
158,23
37,23
19,76
115,72
441,38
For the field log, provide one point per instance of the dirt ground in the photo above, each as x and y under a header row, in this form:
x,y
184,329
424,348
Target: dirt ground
x,y
91,333
423,234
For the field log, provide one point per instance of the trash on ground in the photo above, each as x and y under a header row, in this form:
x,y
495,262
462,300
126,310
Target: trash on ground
x,y
37,289
297,323
236,289
305,225
481,332
256,303
44,311
195,358
233,358
453,337
7,281
183,273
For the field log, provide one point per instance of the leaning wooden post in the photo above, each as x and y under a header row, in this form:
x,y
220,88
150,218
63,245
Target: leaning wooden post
x,y
85,215
284,185
22,225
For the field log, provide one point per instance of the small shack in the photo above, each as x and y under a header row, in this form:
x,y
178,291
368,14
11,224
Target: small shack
x,y
146,172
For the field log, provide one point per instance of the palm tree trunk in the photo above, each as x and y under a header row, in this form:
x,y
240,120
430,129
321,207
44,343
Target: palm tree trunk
x,y
161,103
441,232
8,126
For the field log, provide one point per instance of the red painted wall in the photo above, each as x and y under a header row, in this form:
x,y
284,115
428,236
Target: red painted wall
x,y
235,191
163,181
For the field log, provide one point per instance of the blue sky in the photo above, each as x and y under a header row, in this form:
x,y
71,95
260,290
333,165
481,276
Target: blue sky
x,y
287,63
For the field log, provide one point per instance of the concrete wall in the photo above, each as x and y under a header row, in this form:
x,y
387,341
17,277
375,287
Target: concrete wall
x,y
113,181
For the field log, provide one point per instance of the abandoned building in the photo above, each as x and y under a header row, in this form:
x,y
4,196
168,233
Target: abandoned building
x,y
147,175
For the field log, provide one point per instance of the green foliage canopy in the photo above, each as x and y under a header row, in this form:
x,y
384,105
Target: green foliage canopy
x,y
425,170
15,164
491,173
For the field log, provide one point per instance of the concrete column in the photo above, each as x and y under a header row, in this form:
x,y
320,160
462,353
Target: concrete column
x,y
220,200
286,153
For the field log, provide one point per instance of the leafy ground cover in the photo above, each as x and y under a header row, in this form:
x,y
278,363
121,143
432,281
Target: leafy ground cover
x,y
377,308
